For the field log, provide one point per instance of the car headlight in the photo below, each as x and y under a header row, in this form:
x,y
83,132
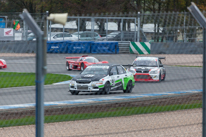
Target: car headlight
x,y
154,72
72,83
132,70
95,83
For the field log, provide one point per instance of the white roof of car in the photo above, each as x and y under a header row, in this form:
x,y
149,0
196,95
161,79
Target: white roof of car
x,y
146,58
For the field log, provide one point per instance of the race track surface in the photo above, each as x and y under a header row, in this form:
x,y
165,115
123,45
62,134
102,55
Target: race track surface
x,y
177,79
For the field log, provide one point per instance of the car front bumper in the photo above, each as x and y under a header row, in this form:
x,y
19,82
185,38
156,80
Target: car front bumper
x,y
146,77
85,88
3,66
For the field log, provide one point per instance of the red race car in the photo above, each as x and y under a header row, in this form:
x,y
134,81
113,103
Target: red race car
x,y
2,64
82,62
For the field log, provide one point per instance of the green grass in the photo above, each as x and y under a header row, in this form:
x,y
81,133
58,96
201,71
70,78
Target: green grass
x,y
15,79
113,112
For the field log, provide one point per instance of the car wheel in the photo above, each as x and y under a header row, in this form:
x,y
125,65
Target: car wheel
x,y
68,67
74,92
82,66
107,88
160,79
164,77
129,87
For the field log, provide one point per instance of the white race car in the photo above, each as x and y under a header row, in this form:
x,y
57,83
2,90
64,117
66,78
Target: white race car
x,y
102,78
148,69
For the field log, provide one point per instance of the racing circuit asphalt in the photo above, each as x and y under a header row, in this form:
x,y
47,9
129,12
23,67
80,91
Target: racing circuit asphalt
x,y
177,79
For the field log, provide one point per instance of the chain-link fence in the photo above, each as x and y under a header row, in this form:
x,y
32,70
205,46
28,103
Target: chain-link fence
x,y
154,27
85,96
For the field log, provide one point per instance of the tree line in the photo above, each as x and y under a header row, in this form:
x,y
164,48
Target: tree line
x,y
79,7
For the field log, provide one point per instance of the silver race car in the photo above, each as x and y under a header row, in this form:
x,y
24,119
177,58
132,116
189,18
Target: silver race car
x,y
148,69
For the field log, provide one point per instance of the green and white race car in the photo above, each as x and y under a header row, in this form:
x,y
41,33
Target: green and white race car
x,y
102,78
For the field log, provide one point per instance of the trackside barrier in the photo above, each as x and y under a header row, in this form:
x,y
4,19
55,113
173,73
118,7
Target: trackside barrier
x,y
105,47
140,47
57,46
79,47
82,47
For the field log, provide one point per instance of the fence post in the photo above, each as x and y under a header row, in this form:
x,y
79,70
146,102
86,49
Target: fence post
x,y
204,85
202,21
39,72
185,40
47,23
138,31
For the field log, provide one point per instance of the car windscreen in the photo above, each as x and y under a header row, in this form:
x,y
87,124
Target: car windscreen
x,y
76,33
52,34
99,70
146,63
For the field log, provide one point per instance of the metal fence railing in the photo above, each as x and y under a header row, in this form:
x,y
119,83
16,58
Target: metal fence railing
x,y
154,27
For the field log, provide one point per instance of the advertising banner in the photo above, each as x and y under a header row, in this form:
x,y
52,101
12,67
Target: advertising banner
x,y
8,32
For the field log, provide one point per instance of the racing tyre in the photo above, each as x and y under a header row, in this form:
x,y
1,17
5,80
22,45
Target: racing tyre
x,y
107,88
82,66
74,92
67,66
129,87
160,79
164,77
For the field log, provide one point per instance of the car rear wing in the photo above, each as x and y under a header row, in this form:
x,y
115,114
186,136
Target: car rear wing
x,y
72,57
161,57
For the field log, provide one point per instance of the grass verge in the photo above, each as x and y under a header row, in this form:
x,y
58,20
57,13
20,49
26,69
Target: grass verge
x,y
15,79
113,112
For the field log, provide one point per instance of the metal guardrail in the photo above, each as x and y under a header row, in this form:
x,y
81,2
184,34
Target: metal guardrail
x,y
124,47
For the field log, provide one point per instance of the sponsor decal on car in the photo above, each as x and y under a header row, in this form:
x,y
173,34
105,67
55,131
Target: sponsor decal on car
x,y
89,76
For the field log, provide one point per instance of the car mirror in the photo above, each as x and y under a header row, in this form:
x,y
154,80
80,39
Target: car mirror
x,y
161,65
54,37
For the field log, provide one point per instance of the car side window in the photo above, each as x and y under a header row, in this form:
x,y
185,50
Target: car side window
x,y
59,35
95,34
83,35
89,34
67,35
114,70
121,70
96,60
91,60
